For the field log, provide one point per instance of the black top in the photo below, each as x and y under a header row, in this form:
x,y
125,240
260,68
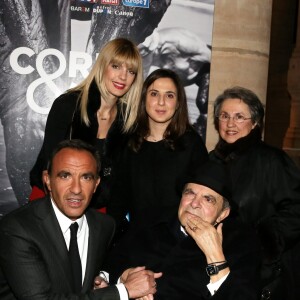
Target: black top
x,y
149,183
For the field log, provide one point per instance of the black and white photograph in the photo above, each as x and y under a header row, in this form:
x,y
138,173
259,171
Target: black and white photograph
x,y
48,47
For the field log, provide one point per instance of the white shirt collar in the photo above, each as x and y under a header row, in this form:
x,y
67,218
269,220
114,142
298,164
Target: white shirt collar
x,y
64,221
183,230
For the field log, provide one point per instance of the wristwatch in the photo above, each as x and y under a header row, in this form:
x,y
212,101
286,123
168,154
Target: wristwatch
x,y
214,269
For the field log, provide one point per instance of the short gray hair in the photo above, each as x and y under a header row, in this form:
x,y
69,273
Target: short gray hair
x,y
248,97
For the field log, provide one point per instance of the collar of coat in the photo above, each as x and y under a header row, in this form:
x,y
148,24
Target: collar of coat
x,y
228,152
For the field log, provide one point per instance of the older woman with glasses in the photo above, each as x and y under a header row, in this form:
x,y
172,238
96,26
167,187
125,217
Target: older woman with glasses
x,y
266,187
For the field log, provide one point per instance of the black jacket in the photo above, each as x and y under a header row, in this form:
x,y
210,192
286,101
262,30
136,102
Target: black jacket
x,y
34,260
64,122
266,189
162,247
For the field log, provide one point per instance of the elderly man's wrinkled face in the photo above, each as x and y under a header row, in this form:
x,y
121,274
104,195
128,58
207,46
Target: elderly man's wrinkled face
x,y
203,202
72,181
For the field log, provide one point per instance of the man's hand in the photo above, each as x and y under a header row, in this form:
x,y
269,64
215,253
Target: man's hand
x,y
178,49
148,297
208,238
140,282
100,283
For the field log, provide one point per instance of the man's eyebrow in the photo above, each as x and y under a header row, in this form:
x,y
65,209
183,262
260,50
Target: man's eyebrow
x,y
63,172
209,196
91,174
188,190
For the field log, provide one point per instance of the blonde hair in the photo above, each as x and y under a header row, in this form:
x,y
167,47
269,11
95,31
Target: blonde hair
x,y
117,51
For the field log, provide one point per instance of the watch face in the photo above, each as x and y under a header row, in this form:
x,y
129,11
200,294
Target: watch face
x,y
212,270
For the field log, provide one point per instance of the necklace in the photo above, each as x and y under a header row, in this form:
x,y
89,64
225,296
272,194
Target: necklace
x,y
102,118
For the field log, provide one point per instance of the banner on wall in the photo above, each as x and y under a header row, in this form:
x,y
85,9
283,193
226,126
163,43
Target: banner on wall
x,y
49,46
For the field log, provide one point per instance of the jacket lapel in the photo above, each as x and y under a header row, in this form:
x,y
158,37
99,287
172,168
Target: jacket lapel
x,y
54,239
94,255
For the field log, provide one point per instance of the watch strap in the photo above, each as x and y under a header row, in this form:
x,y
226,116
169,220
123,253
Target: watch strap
x,y
213,269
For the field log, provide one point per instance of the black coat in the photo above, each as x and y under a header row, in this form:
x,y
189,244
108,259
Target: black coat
x,y
266,189
162,247
64,122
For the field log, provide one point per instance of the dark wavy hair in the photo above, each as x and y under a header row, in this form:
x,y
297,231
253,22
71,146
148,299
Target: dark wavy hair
x,y
180,121
248,97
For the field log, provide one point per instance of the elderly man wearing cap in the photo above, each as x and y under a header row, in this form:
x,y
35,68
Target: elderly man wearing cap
x,y
202,253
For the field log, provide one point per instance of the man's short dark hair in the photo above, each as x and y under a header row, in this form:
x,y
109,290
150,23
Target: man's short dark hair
x,y
75,144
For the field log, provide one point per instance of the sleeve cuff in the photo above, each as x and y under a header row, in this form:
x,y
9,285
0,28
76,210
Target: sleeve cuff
x,y
213,287
122,291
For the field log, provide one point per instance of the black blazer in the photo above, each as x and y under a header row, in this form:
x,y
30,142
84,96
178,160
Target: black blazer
x,y
164,248
34,262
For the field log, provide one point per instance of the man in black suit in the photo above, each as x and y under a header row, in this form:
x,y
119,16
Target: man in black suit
x,y
34,258
202,255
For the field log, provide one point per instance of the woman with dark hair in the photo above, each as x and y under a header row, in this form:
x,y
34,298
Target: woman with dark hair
x,y
160,152
265,184
99,111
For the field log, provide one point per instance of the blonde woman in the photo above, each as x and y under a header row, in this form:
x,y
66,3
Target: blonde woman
x,y
100,110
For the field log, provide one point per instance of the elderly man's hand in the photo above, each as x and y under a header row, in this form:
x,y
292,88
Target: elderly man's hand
x,y
140,282
208,238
